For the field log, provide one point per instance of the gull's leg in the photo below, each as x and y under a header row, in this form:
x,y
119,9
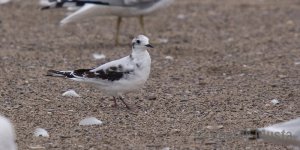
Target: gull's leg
x,y
119,21
121,98
141,19
115,102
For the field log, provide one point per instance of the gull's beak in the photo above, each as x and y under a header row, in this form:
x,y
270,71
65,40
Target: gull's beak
x,y
150,46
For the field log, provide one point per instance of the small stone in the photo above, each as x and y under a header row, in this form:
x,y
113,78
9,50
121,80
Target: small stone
x,y
152,97
214,127
175,131
210,142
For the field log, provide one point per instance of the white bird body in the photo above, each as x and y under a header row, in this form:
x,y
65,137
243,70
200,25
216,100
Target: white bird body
x,y
120,76
132,82
7,135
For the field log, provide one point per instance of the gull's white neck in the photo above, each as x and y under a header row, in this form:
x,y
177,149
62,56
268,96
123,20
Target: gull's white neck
x,y
141,57
139,53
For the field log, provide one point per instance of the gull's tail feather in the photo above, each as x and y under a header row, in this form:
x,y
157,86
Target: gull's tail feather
x,y
54,73
75,74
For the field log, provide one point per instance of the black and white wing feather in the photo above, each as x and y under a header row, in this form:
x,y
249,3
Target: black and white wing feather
x,y
112,71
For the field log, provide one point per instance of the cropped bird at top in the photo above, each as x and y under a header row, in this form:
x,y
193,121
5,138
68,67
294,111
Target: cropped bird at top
x,y
119,8
116,77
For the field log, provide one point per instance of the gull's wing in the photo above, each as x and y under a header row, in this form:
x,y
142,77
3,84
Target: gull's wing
x,y
285,133
115,69
125,3
72,3
88,10
292,126
111,71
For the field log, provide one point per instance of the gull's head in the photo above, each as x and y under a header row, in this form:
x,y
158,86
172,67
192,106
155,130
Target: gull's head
x,y
141,42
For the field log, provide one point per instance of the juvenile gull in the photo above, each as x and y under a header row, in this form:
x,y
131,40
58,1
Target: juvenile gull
x,y
119,8
117,77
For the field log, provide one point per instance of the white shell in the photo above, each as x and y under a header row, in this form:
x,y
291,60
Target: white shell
x,y
275,101
297,63
169,57
40,132
181,16
166,148
90,121
70,93
98,56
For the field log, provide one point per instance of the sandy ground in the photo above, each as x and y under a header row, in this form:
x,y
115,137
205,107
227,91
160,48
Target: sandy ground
x,y
231,58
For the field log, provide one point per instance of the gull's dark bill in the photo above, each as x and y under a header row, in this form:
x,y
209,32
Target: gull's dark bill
x,y
149,45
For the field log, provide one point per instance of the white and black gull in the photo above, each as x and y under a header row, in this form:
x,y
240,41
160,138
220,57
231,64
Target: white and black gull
x,y
119,8
117,77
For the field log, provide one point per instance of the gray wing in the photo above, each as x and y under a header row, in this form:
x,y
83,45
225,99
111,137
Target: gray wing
x,y
125,3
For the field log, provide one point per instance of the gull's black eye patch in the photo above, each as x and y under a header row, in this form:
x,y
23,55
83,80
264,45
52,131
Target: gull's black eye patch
x,y
138,41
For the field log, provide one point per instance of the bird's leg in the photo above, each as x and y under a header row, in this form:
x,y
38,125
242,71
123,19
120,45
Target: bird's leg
x,y
115,102
119,21
121,98
141,19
